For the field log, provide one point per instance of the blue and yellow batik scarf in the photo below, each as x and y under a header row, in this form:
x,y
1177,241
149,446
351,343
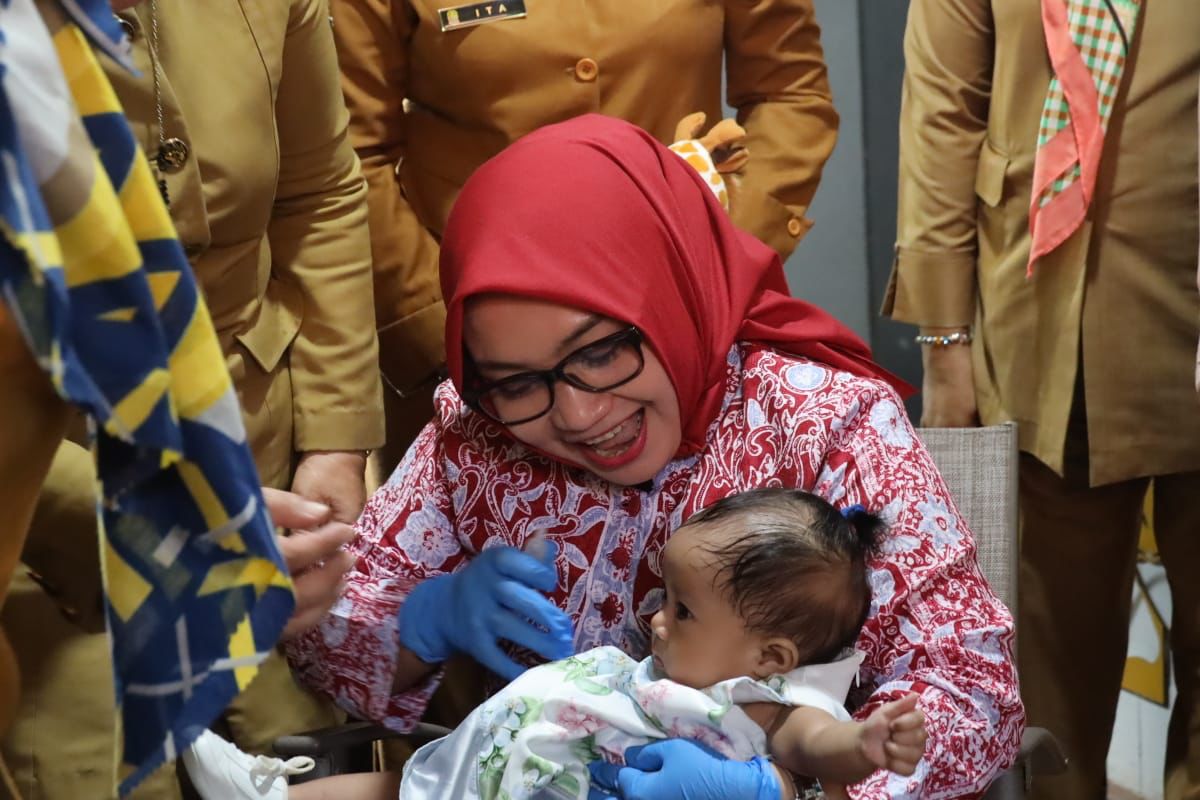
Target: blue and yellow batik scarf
x,y
91,269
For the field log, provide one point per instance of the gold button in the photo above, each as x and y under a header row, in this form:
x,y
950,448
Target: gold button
x,y
586,70
795,226
173,155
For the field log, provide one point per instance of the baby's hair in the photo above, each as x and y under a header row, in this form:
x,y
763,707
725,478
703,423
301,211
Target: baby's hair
x,y
795,566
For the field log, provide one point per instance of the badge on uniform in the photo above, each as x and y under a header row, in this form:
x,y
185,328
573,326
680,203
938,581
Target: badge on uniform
x,y
465,16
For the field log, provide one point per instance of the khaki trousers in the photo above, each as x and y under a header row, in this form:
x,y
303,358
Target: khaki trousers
x,y
412,354
62,743
32,421
1078,554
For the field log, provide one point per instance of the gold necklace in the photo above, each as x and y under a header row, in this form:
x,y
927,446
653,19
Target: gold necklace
x,y
172,152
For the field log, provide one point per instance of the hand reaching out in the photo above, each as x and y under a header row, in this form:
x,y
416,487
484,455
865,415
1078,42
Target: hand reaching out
x,y
335,478
893,737
314,555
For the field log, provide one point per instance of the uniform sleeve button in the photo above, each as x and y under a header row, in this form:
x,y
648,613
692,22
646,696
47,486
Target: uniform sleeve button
x,y
586,70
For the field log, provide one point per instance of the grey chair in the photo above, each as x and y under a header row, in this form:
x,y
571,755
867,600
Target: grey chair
x,y
979,466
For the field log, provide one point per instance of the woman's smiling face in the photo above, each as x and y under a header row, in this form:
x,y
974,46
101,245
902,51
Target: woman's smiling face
x,y
625,435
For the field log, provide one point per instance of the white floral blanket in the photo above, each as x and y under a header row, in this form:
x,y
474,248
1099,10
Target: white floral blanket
x,y
535,737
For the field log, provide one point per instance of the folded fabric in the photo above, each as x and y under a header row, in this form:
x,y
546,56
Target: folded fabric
x,y
196,590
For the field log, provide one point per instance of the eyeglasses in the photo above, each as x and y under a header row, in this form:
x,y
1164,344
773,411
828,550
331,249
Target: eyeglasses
x,y
600,366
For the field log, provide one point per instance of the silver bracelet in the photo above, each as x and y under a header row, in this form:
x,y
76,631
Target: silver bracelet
x,y
944,339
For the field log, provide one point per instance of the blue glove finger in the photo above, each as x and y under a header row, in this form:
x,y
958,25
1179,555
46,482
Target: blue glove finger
x,y
604,774
419,630
551,646
600,794
549,554
649,757
679,769
768,785
512,563
491,656
634,784
615,781
533,606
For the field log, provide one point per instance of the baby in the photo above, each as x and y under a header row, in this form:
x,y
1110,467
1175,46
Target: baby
x,y
765,594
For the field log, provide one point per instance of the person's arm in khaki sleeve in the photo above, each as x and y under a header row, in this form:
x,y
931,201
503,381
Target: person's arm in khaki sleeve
x,y
948,53
319,242
777,81
372,43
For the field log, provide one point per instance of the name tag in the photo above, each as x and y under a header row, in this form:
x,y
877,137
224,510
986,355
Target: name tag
x,y
478,13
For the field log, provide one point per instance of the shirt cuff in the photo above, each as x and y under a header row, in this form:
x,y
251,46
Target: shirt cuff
x,y
931,289
338,430
767,218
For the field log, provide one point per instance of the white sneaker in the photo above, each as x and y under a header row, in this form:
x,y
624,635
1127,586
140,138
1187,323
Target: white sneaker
x,y
220,771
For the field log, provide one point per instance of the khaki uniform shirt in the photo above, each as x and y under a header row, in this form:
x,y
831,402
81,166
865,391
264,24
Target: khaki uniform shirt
x,y
269,206
1118,301
472,91
269,203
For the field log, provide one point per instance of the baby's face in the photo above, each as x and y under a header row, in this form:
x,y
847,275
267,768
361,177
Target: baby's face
x,y
699,638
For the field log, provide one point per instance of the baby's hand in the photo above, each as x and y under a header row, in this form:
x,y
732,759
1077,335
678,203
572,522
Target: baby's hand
x,y
893,737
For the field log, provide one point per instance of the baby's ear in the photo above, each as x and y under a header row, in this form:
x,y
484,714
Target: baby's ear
x,y
778,655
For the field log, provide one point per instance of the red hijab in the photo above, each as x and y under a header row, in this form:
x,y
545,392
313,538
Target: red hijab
x,y
595,214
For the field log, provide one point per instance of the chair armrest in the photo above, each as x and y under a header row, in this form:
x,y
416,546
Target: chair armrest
x,y
326,740
1041,753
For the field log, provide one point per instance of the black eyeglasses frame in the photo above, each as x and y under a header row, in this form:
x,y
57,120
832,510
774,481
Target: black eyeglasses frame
x,y
473,395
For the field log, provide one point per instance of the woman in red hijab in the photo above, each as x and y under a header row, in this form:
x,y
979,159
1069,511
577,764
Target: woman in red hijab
x,y
621,356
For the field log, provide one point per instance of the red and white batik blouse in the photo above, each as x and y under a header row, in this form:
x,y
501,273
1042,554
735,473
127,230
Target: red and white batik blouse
x,y
934,626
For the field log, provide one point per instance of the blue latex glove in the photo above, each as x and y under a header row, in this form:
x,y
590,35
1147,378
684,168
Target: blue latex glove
x,y
496,596
681,769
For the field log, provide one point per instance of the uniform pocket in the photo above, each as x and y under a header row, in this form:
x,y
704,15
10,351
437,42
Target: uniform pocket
x,y
990,174
430,194
274,325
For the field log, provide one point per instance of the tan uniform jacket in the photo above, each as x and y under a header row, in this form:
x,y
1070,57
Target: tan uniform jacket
x,y
269,207
1121,292
474,90
269,203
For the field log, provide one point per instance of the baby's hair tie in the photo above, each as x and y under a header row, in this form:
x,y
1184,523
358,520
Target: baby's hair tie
x,y
850,511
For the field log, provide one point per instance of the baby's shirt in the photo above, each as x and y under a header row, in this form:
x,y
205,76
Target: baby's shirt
x,y
535,738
